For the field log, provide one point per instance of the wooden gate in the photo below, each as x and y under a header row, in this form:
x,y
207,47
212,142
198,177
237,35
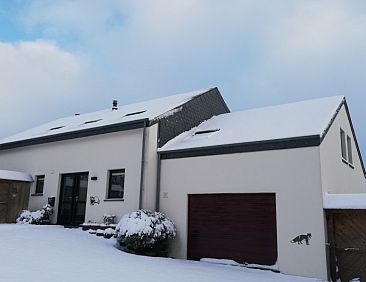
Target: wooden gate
x,y
347,238
14,197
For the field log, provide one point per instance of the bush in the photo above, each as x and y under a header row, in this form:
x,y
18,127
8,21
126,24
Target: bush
x,y
37,217
145,232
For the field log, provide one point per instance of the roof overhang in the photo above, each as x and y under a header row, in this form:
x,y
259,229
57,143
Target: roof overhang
x,y
353,201
77,134
15,176
276,144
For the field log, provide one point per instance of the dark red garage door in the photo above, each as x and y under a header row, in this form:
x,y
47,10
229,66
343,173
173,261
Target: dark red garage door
x,y
241,227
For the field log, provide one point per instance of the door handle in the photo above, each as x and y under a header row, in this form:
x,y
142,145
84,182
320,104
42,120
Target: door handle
x,y
351,249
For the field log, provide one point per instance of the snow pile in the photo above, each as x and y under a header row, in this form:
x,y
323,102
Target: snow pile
x,y
36,217
15,175
234,263
344,201
144,230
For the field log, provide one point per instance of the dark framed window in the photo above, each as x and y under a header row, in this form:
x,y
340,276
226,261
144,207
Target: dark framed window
x,y
39,184
343,144
349,149
116,185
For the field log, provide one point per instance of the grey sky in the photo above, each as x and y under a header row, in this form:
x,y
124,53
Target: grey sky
x,y
76,56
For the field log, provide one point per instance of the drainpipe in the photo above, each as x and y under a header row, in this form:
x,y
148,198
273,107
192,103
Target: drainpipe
x,y
157,199
142,165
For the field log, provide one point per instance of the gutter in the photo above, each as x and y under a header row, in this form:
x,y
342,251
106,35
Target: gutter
x,y
142,164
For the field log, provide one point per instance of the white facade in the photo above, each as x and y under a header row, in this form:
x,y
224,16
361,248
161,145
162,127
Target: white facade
x,y
95,155
294,175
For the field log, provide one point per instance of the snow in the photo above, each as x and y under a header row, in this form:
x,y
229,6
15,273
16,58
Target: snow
x,y
151,224
234,263
344,201
15,175
305,118
149,110
52,253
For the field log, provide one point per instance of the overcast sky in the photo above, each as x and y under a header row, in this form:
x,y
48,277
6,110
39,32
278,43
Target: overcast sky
x,y
58,58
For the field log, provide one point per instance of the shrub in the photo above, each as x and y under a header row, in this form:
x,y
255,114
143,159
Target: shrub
x,y
36,217
145,232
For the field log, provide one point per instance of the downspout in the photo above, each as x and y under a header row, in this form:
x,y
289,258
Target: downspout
x,y
157,200
157,195
142,165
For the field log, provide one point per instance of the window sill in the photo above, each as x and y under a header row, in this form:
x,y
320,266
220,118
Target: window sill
x,y
351,166
114,200
345,161
37,194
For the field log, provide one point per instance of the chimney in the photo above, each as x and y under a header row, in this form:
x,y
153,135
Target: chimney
x,y
115,105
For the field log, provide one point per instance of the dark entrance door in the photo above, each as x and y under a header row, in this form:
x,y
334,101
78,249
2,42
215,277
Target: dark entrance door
x,y
14,197
347,236
241,227
71,211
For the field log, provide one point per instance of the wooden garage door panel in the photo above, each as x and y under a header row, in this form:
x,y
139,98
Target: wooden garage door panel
x,y
241,227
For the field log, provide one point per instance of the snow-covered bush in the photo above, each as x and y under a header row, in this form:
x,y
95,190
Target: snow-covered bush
x,y
145,232
36,217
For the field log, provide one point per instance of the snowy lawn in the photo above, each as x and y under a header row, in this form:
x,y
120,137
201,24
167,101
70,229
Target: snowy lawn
x,y
52,253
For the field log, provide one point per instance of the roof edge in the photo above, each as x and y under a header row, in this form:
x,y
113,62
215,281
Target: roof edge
x,y
76,134
344,103
255,146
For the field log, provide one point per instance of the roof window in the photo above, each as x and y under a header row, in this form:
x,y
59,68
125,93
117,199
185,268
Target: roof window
x,y
206,131
57,127
134,113
92,121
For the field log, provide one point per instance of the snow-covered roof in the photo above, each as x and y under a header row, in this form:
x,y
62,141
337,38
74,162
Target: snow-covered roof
x,y
153,109
344,201
306,118
15,175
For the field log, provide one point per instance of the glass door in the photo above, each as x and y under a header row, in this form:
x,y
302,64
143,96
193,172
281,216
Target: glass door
x,y
72,203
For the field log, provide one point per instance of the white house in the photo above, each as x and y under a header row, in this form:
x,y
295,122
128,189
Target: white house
x,y
104,162
247,186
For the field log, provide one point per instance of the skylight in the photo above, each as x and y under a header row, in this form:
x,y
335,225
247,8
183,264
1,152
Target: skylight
x,y
134,113
57,127
206,131
92,121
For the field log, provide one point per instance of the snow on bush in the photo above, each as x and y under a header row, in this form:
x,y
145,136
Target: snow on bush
x,y
36,217
145,232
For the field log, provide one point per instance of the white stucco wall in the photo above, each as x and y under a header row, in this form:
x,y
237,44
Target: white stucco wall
x,y
337,176
294,175
96,155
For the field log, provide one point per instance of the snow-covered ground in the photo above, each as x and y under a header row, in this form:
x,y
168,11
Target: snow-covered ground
x,y
52,253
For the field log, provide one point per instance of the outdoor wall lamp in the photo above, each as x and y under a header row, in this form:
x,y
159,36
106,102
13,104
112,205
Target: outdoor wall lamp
x,y
94,200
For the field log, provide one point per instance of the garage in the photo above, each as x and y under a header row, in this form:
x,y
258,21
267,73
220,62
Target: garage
x,y
240,227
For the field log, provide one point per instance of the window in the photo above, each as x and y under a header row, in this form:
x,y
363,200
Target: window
x,y
92,121
349,148
39,184
134,113
343,145
57,127
116,184
206,131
